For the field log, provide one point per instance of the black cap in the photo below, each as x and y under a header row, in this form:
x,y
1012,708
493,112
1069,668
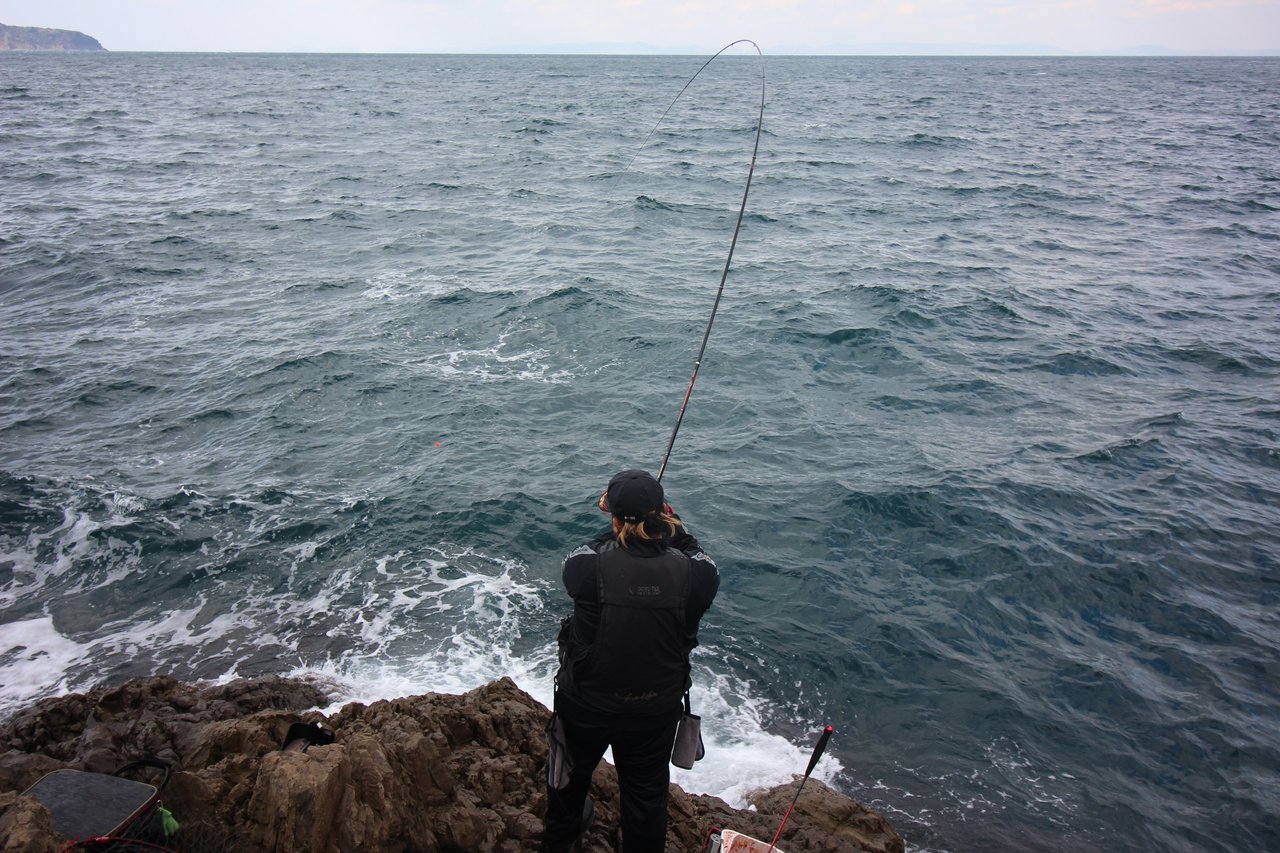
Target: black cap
x,y
632,495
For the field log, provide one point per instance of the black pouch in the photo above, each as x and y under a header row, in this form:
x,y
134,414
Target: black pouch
x,y
559,762
302,735
564,649
688,747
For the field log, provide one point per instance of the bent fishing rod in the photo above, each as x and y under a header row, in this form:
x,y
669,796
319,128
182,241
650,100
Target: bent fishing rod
x,y
706,336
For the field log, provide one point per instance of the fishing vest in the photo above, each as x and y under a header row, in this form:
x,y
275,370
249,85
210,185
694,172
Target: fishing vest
x,y
639,661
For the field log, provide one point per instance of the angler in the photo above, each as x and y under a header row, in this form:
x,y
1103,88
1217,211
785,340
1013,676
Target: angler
x,y
639,590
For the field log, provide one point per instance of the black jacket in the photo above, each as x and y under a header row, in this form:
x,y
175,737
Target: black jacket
x,y
625,651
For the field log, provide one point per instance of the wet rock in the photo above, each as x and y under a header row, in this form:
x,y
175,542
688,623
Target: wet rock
x,y
427,773
24,826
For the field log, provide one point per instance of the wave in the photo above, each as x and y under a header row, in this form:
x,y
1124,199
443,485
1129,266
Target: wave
x,y
1218,361
912,319
1082,364
567,298
1129,450
850,337
644,202
930,140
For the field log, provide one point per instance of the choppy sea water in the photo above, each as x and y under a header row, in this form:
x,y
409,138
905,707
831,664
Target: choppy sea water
x,y
316,364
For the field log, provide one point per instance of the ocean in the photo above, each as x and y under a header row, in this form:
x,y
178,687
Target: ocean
x,y
316,364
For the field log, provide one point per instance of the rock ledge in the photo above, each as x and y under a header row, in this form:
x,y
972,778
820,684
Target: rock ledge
x,y
427,773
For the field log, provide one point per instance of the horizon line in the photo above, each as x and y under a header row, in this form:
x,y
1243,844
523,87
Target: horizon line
x,y
941,51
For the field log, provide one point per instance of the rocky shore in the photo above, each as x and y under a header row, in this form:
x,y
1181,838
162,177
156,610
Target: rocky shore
x,y
426,773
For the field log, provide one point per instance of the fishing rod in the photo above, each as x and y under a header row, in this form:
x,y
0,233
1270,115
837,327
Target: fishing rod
x,y
697,362
813,760
719,840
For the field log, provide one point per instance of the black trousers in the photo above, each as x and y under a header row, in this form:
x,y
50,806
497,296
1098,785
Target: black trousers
x,y
641,755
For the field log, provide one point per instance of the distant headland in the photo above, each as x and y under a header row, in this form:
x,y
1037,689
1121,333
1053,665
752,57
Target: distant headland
x,y
43,38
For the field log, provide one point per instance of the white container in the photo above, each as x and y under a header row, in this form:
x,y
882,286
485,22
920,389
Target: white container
x,y
729,841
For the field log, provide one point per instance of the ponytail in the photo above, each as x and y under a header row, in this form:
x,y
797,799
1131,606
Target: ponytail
x,y
657,525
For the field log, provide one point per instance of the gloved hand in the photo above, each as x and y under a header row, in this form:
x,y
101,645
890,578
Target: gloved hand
x,y
684,541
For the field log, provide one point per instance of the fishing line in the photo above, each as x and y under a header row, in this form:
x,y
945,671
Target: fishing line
x,y
697,362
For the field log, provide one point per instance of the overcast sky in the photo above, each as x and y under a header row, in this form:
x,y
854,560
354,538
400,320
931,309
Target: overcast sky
x,y
698,26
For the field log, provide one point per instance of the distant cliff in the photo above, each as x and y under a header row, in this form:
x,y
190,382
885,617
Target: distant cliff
x,y
43,38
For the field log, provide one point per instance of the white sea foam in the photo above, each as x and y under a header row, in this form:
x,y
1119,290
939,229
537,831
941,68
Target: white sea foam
x,y
402,650
494,364
37,660
34,661
74,540
68,547
395,285
22,563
